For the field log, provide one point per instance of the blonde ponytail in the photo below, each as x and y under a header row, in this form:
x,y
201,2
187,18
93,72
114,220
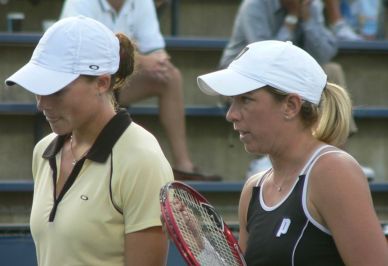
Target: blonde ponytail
x,y
334,113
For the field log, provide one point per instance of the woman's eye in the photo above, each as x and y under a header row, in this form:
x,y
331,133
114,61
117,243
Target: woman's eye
x,y
60,92
245,99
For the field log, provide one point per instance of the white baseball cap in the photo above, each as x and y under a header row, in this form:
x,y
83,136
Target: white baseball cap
x,y
278,64
72,47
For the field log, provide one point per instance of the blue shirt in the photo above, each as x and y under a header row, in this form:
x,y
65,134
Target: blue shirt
x,y
259,20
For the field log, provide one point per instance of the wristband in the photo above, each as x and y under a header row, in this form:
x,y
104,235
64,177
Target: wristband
x,y
291,20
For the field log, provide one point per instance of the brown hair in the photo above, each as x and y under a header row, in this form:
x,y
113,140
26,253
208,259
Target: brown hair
x,y
126,66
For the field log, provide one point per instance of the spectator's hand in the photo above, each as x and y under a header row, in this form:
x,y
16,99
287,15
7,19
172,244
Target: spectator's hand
x,y
299,8
157,65
305,9
292,6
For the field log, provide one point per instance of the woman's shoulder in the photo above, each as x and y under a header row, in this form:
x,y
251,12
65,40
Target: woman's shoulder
x,y
139,145
137,136
42,144
334,157
254,180
335,168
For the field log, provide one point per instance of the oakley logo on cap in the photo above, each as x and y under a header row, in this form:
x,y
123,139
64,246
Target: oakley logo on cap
x,y
84,197
94,67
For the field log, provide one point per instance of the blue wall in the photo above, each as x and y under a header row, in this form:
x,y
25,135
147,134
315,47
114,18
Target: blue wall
x,y
19,250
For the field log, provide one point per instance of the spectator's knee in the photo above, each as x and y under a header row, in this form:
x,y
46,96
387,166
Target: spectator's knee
x,y
171,79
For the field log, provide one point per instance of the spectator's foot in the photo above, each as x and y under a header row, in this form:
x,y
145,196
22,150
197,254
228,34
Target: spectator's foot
x,y
343,32
195,176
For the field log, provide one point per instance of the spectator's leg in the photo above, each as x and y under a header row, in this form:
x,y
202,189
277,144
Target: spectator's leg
x,y
338,25
333,13
171,109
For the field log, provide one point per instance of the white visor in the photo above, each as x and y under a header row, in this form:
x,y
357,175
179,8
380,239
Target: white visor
x,y
227,82
40,80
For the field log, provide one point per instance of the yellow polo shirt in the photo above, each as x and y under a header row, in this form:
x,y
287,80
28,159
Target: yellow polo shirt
x,y
113,191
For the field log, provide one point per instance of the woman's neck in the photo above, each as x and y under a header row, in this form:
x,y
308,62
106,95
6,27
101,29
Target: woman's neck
x,y
291,161
89,131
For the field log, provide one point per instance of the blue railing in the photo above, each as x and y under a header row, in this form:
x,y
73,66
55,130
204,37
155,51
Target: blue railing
x,y
179,42
30,108
207,187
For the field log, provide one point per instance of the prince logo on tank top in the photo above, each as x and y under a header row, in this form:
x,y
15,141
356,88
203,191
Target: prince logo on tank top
x,y
283,228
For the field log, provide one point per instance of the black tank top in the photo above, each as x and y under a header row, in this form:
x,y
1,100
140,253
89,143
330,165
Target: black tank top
x,y
285,235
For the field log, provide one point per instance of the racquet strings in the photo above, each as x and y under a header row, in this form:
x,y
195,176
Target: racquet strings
x,y
207,227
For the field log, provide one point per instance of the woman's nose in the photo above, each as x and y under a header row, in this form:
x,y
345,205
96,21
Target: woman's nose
x,y
232,114
41,102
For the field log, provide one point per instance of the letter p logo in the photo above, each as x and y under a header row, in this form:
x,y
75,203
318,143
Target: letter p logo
x,y
283,228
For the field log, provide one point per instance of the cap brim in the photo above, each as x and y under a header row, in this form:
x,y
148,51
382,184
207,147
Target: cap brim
x,y
227,82
39,80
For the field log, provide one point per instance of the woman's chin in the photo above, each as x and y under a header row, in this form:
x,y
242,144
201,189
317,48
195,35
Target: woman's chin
x,y
250,149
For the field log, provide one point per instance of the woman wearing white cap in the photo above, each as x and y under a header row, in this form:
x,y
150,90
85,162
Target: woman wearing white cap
x,y
155,75
97,176
313,207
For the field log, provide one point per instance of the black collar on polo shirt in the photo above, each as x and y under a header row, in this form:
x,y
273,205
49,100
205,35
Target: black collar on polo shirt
x,y
99,152
104,143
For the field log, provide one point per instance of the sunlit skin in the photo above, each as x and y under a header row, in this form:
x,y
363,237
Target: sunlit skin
x,y
66,110
255,116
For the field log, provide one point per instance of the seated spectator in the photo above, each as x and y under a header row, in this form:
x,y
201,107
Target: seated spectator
x,y
301,22
155,75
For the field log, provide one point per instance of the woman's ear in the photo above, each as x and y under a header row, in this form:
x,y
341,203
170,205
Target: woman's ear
x,y
292,105
103,83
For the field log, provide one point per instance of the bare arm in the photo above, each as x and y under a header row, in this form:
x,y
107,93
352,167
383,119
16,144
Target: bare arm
x,y
146,247
340,199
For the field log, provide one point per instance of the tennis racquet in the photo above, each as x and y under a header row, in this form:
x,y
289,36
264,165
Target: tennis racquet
x,y
197,230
